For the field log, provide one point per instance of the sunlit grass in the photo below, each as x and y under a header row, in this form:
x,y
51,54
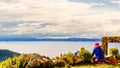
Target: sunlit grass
x,y
96,66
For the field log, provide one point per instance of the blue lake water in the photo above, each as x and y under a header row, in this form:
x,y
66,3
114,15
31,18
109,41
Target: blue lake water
x,y
52,48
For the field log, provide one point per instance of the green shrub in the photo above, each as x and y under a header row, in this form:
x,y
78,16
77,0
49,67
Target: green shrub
x,y
11,63
71,59
114,51
85,54
69,54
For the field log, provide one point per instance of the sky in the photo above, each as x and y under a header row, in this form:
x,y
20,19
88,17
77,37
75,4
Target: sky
x,y
59,18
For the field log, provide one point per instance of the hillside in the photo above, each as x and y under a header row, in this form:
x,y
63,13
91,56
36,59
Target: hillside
x,y
7,53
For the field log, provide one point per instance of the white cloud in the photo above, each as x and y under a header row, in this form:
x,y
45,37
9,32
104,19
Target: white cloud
x,y
71,29
51,10
64,17
45,9
115,1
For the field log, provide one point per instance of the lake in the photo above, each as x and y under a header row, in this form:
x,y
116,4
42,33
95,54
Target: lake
x,y
49,48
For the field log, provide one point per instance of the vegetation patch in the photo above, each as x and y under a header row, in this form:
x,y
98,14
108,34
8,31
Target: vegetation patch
x,y
68,60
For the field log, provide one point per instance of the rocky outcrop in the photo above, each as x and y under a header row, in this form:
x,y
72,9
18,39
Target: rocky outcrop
x,y
35,61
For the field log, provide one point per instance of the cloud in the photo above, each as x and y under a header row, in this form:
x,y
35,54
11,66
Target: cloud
x,y
71,29
47,10
27,10
10,1
56,18
115,1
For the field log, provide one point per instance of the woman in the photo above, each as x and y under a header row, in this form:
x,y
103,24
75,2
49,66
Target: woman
x,y
99,53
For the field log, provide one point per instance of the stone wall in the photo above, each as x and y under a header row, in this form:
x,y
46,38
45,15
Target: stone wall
x,y
107,39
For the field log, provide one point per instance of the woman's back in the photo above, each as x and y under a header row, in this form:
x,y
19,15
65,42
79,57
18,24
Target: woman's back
x,y
99,53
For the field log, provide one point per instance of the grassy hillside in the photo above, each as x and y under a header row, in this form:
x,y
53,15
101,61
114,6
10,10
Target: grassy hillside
x,y
7,53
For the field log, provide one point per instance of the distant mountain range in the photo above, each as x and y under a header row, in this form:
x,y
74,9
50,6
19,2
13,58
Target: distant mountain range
x,y
49,39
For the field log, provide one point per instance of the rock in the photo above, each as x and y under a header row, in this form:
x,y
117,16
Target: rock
x,y
35,61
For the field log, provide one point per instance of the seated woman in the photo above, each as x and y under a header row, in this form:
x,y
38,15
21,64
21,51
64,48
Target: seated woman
x,y
99,53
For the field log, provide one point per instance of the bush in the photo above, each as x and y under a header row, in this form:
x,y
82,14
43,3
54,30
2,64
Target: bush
x,y
85,54
69,54
114,51
71,59
14,62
